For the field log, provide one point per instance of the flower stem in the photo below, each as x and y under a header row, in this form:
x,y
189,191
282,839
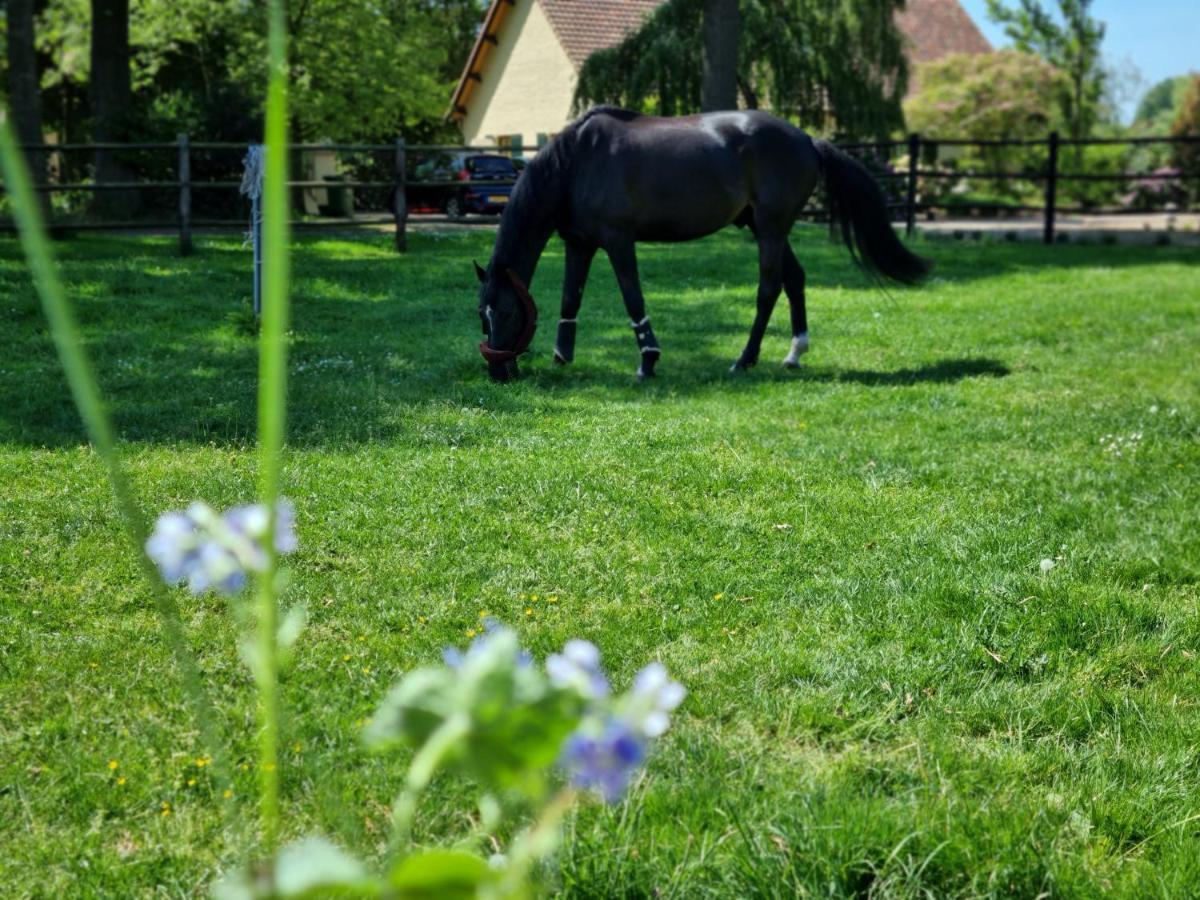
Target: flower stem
x,y
420,772
272,409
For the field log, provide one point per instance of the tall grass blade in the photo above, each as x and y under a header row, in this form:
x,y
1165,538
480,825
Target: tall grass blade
x,y
272,406
84,390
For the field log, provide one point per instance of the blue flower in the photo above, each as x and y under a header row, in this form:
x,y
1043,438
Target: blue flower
x,y
652,699
455,658
213,552
604,761
578,667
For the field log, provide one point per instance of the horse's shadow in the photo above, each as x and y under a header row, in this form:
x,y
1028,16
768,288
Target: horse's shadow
x,y
944,371
710,373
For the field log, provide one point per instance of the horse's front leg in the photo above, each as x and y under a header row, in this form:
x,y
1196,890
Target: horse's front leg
x,y
770,283
793,283
578,264
624,263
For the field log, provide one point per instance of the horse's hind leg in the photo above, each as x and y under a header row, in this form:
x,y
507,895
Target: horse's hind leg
x,y
793,283
579,263
770,283
624,263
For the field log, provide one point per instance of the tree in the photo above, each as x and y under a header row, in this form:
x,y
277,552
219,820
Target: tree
x,y
1161,104
993,96
24,97
1187,124
111,97
838,67
996,95
721,27
1072,45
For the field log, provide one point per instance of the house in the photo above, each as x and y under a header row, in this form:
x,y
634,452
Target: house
x,y
517,86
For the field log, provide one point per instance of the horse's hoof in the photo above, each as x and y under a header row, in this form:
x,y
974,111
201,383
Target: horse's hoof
x,y
559,359
743,365
799,348
649,360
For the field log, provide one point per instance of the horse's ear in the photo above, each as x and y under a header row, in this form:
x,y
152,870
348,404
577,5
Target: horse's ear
x,y
480,273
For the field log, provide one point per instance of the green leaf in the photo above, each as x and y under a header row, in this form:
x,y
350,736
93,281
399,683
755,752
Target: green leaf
x,y
515,720
440,875
315,865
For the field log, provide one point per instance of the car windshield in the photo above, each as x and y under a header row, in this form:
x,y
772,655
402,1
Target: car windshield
x,y
491,165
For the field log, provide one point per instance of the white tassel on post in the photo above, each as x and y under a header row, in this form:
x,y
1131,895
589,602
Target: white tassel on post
x,y
252,186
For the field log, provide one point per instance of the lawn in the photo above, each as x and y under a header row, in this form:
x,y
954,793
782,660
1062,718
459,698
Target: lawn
x,y
890,693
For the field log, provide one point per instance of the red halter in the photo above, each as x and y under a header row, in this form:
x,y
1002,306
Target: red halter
x,y
526,337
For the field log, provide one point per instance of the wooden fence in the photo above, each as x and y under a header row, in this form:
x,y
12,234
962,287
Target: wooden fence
x,y
905,184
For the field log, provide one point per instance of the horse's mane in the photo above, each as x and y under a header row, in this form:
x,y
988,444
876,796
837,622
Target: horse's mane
x,y
542,183
552,163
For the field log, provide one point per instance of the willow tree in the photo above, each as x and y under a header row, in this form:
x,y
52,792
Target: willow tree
x,y
833,67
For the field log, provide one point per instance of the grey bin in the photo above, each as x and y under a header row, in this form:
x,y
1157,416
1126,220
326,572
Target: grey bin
x,y
341,199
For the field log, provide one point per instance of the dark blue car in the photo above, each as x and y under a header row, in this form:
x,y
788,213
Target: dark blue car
x,y
474,183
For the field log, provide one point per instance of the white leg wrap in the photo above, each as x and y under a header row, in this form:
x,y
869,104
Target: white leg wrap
x,y
799,346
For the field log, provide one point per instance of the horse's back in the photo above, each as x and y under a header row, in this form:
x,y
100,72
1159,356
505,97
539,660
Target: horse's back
x,y
680,178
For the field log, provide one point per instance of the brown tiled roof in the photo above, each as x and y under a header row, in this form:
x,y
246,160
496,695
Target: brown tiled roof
x,y
936,28
933,27
585,26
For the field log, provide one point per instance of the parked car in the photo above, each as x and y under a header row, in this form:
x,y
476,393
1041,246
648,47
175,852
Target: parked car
x,y
459,194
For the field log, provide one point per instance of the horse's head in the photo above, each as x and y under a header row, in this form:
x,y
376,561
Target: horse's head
x,y
509,317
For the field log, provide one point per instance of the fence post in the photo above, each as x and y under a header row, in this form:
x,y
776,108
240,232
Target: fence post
x,y
185,195
1051,186
914,151
399,200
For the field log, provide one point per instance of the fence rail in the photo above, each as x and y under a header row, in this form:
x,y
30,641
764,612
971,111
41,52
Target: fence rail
x,y
909,178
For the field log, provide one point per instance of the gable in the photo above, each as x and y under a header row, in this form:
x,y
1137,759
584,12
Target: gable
x,y
937,28
934,28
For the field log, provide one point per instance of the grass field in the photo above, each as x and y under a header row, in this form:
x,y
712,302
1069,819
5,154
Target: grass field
x,y
888,695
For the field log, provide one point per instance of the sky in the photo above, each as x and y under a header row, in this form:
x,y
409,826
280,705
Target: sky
x,y
1161,38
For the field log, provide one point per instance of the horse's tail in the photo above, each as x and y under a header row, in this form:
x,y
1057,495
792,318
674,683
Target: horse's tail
x,y
858,206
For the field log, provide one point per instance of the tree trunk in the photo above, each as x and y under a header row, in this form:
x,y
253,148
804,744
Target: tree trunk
x,y
111,96
24,96
721,31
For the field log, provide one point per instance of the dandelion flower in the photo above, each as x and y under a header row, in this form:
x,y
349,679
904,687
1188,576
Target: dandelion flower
x,y
228,795
121,780
112,765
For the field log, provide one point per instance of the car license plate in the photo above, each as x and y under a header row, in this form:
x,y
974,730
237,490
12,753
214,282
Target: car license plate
x,y
498,198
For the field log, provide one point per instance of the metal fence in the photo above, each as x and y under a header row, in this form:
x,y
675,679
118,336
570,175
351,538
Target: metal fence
x,y
907,185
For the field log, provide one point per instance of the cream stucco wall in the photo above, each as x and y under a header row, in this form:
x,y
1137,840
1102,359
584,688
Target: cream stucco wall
x,y
527,84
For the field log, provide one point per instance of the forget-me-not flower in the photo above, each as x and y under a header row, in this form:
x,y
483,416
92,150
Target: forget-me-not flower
x,y
605,761
215,552
652,699
578,667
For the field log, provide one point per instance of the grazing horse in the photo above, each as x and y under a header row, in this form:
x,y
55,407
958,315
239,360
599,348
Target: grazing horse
x,y
613,178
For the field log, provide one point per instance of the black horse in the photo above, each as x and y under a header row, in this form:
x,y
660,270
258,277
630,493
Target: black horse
x,y
613,178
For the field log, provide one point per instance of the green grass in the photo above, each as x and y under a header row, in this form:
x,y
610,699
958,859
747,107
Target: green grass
x,y
889,696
